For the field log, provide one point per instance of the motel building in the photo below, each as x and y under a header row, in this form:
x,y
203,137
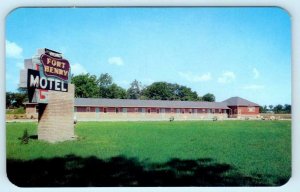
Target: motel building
x,y
99,109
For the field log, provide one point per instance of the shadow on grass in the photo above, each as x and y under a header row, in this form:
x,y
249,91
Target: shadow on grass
x,y
121,171
33,137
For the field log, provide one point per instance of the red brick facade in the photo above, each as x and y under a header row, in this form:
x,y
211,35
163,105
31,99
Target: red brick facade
x,y
243,110
112,109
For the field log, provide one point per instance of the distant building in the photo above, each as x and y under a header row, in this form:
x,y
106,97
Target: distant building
x,y
98,109
241,107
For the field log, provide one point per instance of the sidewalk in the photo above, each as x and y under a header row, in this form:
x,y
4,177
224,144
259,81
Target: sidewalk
x,y
21,120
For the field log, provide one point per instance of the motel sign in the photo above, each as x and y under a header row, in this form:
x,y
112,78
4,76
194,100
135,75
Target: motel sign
x,y
55,66
47,70
36,81
47,77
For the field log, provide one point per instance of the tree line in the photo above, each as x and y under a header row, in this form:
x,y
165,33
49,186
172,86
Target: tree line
x,y
16,100
287,108
89,86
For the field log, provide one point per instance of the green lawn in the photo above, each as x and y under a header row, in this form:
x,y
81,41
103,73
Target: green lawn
x,y
260,150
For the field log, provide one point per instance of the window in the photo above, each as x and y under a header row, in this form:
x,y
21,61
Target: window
x,y
105,110
117,110
157,110
136,110
182,110
177,110
80,109
190,111
124,110
251,109
92,109
141,110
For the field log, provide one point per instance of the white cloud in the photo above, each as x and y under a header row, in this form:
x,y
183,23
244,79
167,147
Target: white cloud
x,y
255,73
253,87
116,61
227,77
195,78
78,69
13,50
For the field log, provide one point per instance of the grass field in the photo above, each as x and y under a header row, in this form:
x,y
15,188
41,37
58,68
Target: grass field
x,y
189,153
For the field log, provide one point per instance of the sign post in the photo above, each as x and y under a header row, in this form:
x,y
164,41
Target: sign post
x,y
47,77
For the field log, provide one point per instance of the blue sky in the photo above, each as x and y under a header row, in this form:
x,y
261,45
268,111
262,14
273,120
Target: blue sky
x,y
229,52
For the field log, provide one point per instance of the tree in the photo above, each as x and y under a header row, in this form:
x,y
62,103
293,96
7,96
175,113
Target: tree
x,y
135,90
116,92
9,99
278,109
15,100
287,108
158,91
271,107
186,94
86,85
169,91
23,90
105,81
19,99
263,109
208,97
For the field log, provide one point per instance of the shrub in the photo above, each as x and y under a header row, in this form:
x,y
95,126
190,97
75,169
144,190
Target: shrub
x,y
19,110
171,118
25,137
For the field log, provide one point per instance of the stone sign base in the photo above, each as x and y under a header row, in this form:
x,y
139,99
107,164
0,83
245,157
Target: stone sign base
x,y
56,119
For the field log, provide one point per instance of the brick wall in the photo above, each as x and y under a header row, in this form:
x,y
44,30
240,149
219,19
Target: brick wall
x,y
31,111
244,112
136,116
56,119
